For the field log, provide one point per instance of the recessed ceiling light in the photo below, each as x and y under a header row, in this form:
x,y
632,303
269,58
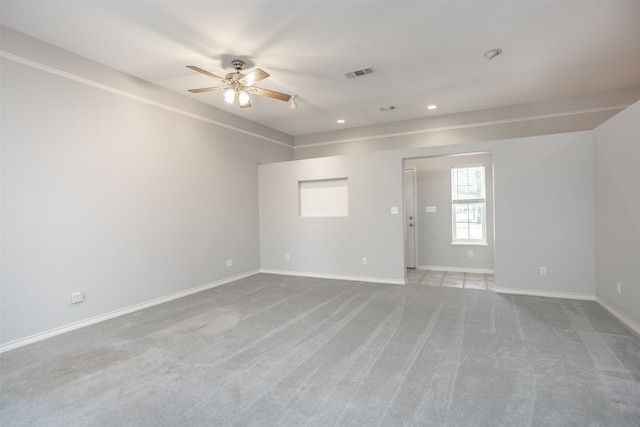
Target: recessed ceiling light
x,y
432,107
341,121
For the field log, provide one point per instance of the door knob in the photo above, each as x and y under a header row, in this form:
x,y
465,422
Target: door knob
x,y
410,224
410,217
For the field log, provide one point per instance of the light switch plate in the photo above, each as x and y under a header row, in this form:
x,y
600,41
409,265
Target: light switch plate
x,y
394,210
430,209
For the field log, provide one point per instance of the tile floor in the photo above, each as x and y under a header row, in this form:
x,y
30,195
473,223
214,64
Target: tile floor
x,y
450,279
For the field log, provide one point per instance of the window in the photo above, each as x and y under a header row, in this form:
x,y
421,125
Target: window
x,y
324,198
468,204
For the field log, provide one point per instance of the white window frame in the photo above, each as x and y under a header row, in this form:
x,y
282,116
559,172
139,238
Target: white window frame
x,y
481,200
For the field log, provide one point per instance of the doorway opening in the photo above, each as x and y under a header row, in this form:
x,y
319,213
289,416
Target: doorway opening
x,y
445,199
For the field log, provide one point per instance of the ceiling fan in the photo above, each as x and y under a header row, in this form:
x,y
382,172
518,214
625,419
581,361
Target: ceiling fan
x,y
238,86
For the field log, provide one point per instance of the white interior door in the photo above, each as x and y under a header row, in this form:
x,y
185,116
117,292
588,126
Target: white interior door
x,y
410,217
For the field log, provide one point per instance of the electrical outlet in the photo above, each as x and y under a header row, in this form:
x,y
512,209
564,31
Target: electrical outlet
x,y
619,287
77,297
364,260
287,257
470,254
229,263
543,271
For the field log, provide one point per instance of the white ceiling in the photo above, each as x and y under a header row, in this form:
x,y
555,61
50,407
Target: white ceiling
x,y
424,52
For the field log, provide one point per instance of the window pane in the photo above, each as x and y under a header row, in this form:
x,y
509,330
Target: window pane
x,y
467,183
462,230
475,231
468,220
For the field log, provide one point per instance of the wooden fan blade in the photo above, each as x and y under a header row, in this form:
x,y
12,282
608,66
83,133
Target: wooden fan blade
x,y
254,77
270,93
205,72
207,89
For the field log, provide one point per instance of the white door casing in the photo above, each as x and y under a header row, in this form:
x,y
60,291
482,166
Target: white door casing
x,y
410,219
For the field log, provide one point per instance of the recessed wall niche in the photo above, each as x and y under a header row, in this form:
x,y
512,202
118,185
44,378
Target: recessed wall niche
x,y
323,198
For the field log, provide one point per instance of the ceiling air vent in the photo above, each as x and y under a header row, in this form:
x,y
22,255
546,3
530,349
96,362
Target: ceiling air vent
x,y
360,73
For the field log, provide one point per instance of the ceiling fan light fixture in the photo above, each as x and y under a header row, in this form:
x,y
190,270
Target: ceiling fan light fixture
x,y
293,102
230,96
237,86
243,99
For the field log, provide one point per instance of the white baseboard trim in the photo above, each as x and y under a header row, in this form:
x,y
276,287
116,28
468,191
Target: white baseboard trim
x,y
621,316
550,294
101,318
455,269
335,276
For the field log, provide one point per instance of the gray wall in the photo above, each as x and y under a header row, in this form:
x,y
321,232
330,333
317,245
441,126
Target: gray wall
x,y
435,250
543,214
334,247
543,191
116,188
617,212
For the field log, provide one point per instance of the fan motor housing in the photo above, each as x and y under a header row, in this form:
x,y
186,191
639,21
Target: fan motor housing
x,y
238,64
234,76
